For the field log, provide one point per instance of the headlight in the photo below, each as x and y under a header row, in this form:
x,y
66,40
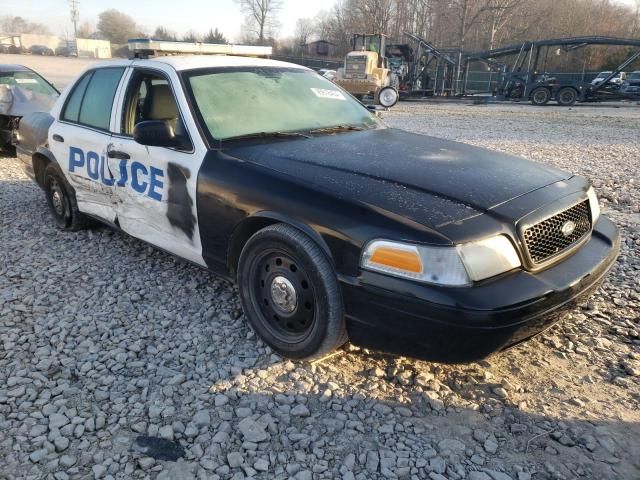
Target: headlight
x,y
490,257
451,266
593,205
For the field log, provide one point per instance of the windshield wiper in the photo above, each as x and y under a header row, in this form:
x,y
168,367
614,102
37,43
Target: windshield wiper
x,y
338,128
268,135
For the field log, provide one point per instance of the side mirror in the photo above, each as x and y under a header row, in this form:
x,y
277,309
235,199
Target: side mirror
x,y
159,133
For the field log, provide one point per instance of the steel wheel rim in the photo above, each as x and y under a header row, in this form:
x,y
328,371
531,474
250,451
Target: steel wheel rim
x,y
388,97
289,318
566,97
540,96
57,198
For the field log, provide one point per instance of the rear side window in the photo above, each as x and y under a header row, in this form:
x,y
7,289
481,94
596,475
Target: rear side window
x,y
72,109
91,101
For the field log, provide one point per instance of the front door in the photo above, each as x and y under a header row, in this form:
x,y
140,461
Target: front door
x,y
158,203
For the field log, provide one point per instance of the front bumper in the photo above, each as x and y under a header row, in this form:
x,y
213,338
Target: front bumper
x,y
457,325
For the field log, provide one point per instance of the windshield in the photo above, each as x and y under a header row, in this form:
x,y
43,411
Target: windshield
x,y
28,81
258,100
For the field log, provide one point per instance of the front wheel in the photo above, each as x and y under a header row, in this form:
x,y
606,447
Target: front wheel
x,y
540,96
387,97
290,293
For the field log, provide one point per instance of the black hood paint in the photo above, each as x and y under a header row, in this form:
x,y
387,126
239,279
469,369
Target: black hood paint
x,y
429,180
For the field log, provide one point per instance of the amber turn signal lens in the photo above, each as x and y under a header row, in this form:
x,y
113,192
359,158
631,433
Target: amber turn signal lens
x,y
406,260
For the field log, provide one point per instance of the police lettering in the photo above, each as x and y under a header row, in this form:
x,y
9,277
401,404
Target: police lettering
x,y
147,181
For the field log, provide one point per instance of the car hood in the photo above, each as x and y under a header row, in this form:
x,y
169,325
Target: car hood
x,y
426,179
18,102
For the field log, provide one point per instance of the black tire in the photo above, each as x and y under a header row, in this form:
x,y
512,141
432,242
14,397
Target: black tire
x,y
566,97
308,324
540,96
386,91
62,200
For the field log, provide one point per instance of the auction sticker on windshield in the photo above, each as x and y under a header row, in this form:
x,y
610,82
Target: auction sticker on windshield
x,y
329,94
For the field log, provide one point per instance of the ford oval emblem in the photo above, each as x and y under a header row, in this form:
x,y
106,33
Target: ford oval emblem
x,y
568,228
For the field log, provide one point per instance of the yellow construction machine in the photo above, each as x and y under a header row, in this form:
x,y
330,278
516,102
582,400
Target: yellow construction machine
x,y
366,71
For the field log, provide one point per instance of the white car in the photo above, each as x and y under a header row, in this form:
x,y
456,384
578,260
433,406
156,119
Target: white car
x,y
617,80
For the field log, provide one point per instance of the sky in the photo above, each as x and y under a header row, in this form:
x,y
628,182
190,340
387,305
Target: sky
x,y
179,16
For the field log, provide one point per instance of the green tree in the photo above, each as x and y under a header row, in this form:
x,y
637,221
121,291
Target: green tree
x,y
116,26
215,36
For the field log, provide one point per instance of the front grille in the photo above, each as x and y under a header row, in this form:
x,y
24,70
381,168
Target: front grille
x,y
546,239
356,67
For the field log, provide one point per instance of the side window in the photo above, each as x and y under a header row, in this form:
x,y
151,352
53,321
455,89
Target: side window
x,y
91,100
149,97
98,99
72,108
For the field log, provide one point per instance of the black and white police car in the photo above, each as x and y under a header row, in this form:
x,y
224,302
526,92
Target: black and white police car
x,y
335,227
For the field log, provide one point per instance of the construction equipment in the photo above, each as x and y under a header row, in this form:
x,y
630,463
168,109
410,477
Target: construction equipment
x,y
366,71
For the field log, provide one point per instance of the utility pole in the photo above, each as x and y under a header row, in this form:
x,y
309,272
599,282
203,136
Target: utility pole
x,y
75,15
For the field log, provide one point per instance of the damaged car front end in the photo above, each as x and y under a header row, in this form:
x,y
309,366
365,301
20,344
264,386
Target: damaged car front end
x,y
22,92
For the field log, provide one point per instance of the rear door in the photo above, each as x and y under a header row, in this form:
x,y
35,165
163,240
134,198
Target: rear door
x,y
79,139
158,201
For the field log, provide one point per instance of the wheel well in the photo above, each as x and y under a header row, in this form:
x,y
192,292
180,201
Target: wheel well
x,y
241,235
40,163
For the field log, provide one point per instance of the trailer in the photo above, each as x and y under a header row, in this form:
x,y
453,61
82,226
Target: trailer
x,y
527,78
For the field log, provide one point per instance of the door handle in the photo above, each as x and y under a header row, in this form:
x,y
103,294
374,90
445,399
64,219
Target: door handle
x,y
58,138
118,154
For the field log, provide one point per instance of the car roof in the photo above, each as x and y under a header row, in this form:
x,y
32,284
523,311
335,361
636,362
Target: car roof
x,y
13,67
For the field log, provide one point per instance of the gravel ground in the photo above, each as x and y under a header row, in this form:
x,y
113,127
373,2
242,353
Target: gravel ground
x,y
119,361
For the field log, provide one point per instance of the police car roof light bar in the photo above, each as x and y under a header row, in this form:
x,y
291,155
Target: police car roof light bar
x,y
147,47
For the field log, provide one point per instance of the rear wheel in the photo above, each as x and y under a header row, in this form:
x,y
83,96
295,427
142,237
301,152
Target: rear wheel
x,y
290,293
540,96
566,97
62,200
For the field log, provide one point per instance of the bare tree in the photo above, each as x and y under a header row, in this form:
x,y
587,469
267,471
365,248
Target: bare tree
x,y
191,36
162,33
17,25
305,29
86,30
260,14
500,13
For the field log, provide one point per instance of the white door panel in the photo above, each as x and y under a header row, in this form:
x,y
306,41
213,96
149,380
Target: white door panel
x,y
82,157
157,201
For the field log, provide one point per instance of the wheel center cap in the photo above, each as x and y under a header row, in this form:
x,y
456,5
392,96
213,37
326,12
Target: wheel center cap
x,y
283,294
57,202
